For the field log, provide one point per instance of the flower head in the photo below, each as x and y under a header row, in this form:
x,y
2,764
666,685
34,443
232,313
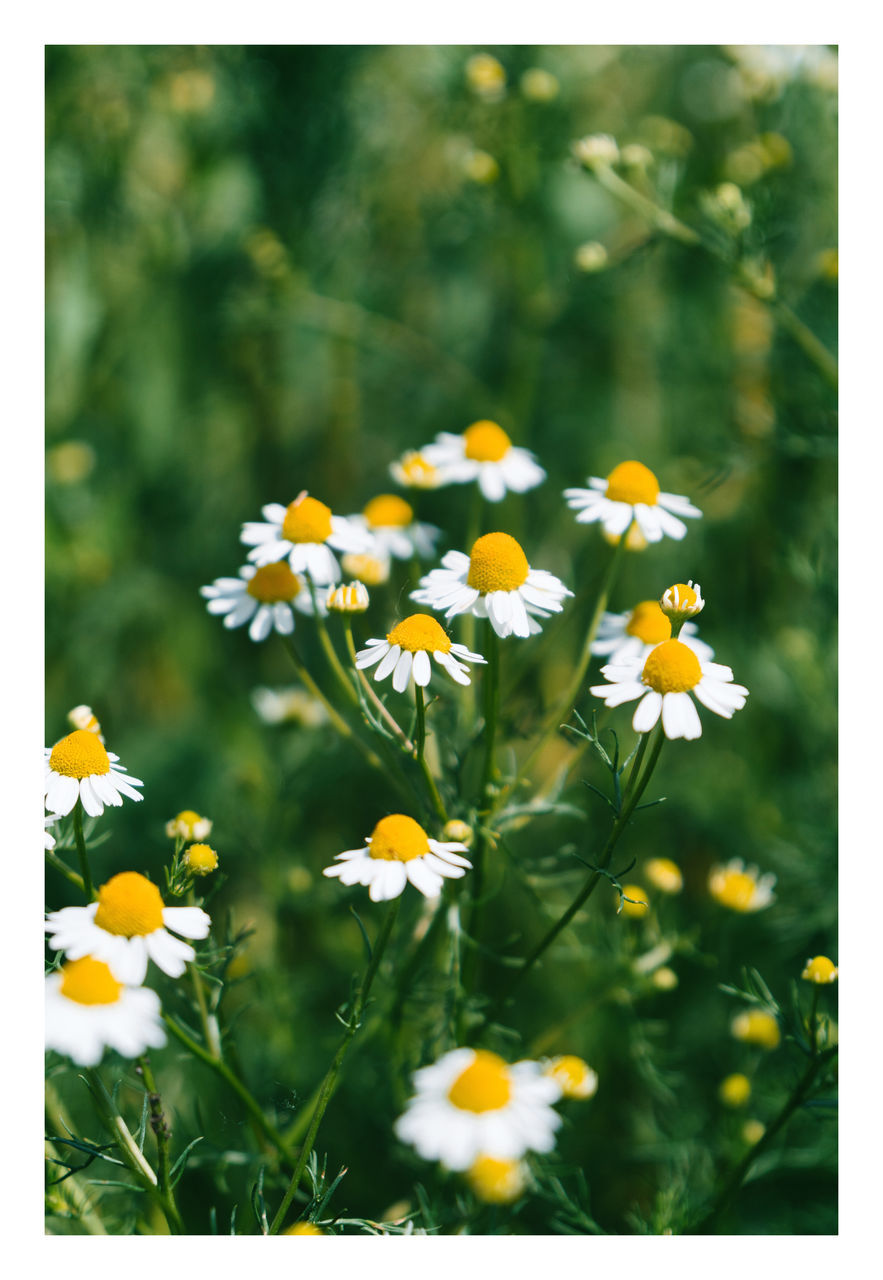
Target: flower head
x,y
414,471
390,521
79,768
265,598
353,598
471,1103
127,925
735,1090
664,875
631,495
664,681
88,1010
188,825
486,76
397,851
574,1077
83,717
497,1181
485,453
539,85
756,1026
596,149
741,888
275,706
629,636
304,532
406,651
634,901
200,859
820,970
494,581
682,601
456,829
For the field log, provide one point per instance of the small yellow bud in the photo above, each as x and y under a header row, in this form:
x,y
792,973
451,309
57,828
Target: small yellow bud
x,y
303,1229
200,859
459,831
83,717
664,875
820,970
752,1132
756,1026
591,256
486,76
481,167
664,978
539,85
682,601
353,598
575,1078
497,1181
639,905
70,462
188,825
735,1090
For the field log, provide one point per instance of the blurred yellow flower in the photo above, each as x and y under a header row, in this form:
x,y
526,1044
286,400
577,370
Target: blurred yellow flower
x,y
480,166
539,85
591,256
304,1229
664,875
575,1078
486,76
752,1132
201,859
735,1090
497,1181
820,970
188,825
756,1026
639,905
741,888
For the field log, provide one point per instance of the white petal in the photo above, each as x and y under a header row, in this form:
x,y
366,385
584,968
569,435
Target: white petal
x,y
422,668
389,661
261,624
647,712
192,922
402,673
680,719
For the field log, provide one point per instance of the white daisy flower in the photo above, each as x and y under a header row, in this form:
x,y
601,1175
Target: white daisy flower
x,y
399,850
265,598
188,825
741,888
413,471
126,926
495,581
485,453
79,768
471,1103
390,521
405,653
629,637
88,1011
50,821
304,532
631,494
83,717
664,681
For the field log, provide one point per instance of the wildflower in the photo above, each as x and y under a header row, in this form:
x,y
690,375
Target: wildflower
x,y
350,599
596,149
634,901
277,705
495,581
664,681
682,601
539,85
756,1026
265,598
485,453
591,256
575,1078
188,825
486,76
366,567
735,1090
304,1229
399,850
79,768
480,166
406,649
752,1132
457,830
727,206
88,1010
200,859
497,1181
414,471
630,636
471,1103
664,978
390,521
631,494
49,821
303,532
741,888
83,717
820,970
664,875
636,156
127,925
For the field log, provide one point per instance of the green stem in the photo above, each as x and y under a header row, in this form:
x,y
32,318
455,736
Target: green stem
x,y
162,1133
327,1087
333,715
382,710
66,871
419,751
81,851
328,647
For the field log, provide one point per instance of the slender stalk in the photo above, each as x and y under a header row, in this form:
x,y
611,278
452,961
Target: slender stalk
x,y
327,1087
162,1133
329,650
382,710
66,871
81,851
419,751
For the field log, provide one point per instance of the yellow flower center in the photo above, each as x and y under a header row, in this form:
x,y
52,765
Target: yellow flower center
x,y
496,1181
648,623
486,442
307,520
574,1076
672,668
79,755
632,482
388,510
303,1229
735,1090
129,905
201,859
735,889
637,907
273,582
686,596
497,563
398,839
368,569
665,875
820,969
484,1085
188,817
89,981
754,1026
420,631
417,471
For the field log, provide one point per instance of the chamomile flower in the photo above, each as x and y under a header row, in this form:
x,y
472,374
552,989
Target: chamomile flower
x,y
756,1026
471,1104
664,681
390,521
50,821
188,825
485,453
304,533
627,637
494,581
88,1010
575,1077
741,888
83,717
497,1181
397,851
406,649
631,495
79,768
820,970
664,875
264,597
276,706
126,926
414,471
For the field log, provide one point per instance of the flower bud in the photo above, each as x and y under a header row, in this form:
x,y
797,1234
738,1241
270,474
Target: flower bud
x,y
591,256
682,601
539,85
353,598
188,825
638,905
497,1181
664,875
83,717
820,970
756,1026
200,860
366,568
459,831
486,76
574,1077
596,149
735,1090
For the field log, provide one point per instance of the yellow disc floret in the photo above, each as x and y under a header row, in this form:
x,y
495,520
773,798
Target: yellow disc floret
x,y
79,755
413,469
497,563
634,901
89,981
372,570
632,482
735,1090
820,969
648,623
201,859
486,442
129,905
304,1229
273,583
733,889
485,1085
388,510
496,1181
665,875
398,839
307,520
420,631
672,668
756,1026
575,1077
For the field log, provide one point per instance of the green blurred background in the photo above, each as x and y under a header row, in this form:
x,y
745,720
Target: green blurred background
x,y
276,268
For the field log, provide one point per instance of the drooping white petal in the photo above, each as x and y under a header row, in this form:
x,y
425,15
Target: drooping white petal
x,y
647,712
422,668
402,673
